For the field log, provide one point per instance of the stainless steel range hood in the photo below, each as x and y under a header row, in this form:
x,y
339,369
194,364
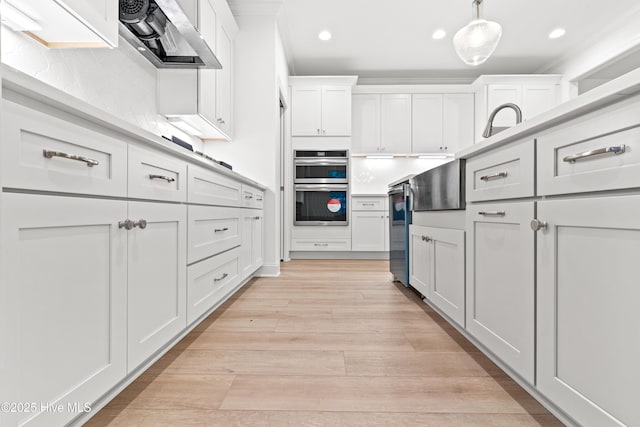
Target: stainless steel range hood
x,y
163,34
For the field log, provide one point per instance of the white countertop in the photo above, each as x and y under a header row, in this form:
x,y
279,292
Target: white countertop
x,y
608,93
23,84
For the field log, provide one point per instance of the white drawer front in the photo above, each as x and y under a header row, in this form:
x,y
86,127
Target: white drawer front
x,y
369,204
210,188
321,245
572,159
154,175
210,281
41,152
505,173
211,230
252,197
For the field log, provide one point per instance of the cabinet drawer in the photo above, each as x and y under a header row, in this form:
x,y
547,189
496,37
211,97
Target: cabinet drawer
x,y
581,156
369,203
210,281
321,245
505,173
211,230
252,197
211,188
41,152
154,175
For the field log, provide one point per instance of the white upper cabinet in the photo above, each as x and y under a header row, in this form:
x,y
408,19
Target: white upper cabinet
x,y
73,23
534,94
321,111
203,99
336,111
321,106
366,123
306,114
395,111
442,123
427,129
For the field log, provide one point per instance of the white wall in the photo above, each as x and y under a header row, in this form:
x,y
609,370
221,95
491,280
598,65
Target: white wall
x,y
255,150
119,81
372,176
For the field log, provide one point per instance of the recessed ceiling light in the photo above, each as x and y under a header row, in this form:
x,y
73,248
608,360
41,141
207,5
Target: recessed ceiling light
x,y
324,35
557,33
439,34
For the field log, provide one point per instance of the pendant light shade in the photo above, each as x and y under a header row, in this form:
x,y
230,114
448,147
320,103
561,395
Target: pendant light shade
x,y
475,42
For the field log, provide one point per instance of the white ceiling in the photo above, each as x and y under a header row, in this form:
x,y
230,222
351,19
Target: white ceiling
x,y
392,38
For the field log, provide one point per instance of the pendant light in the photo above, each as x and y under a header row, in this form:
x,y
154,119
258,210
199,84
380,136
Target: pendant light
x,y
475,42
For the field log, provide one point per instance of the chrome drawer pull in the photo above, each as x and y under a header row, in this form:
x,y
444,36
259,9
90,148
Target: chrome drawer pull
x,y
323,245
615,150
256,217
494,176
496,213
259,200
220,230
221,278
247,197
426,239
166,178
537,225
127,224
368,204
50,153
142,223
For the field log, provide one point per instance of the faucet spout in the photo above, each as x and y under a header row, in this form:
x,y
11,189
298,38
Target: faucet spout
x,y
488,130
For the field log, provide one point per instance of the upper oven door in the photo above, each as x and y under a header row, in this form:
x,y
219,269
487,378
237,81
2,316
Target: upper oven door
x,y
321,204
321,171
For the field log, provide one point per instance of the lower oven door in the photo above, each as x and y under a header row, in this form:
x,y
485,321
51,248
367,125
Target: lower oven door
x,y
318,204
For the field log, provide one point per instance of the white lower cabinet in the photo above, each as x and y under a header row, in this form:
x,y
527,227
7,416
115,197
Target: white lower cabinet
x,y
437,268
588,317
251,250
63,290
369,231
156,277
501,282
209,281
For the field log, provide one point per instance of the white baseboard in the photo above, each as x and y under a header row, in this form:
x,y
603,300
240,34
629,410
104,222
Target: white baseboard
x,y
339,255
268,270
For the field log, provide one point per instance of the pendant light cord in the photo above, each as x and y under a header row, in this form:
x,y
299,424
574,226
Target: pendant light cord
x,y
477,4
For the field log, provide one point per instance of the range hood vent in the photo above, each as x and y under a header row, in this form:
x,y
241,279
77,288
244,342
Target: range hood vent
x,y
163,34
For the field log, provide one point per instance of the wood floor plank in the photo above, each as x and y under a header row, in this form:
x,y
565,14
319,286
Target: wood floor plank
x,y
171,392
379,394
255,362
419,364
302,341
329,344
199,418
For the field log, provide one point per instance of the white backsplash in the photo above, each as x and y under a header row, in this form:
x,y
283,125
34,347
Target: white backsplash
x,y
372,176
119,81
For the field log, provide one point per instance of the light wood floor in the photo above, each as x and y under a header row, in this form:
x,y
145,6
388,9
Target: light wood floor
x,y
329,343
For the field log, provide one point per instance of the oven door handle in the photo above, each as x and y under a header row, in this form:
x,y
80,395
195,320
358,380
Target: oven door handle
x,y
321,187
321,162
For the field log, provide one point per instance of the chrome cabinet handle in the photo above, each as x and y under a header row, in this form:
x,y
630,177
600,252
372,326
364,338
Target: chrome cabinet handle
x,y
220,230
318,131
256,217
426,239
324,131
615,150
50,154
166,178
127,224
368,204
494,176
141,223
496,213
248,197
220,120
323,245
218,279
259,200
537,225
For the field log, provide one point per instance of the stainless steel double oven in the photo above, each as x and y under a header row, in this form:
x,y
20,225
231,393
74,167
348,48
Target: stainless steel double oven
x,y
321,187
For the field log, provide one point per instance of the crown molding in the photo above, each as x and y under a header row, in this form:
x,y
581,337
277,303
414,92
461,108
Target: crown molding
x,y
415,80
255,7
